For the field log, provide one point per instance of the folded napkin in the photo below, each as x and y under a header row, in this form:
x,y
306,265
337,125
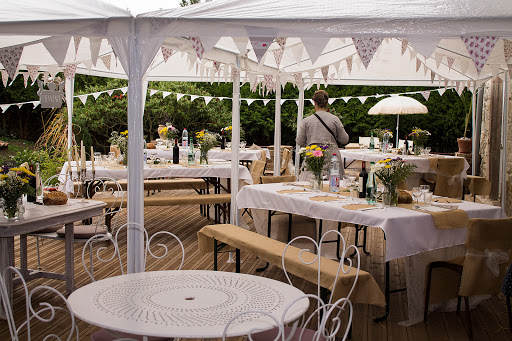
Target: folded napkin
x,y
255,147
288,191
357,207
447,201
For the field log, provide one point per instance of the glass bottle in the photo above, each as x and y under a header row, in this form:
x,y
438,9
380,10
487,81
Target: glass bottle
x,y
39,185
191,154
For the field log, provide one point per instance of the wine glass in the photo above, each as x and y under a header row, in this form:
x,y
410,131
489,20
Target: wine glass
x,y
416,194
352,185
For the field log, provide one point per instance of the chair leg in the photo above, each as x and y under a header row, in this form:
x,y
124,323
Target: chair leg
x,y
459,299
427,292
509,313
38,255
468,318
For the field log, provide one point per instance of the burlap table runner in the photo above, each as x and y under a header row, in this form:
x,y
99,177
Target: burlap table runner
x,y
115,167
447,201
356,207
444,220
366,290
289,191
325,198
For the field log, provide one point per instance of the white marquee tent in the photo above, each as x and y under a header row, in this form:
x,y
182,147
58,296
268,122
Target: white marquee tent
x,y
412,43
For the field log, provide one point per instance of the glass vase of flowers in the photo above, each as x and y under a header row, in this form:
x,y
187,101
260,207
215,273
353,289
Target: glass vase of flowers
x,y
121,140
314,160
14,182
392,172
226,131
420,137
170,132
206,141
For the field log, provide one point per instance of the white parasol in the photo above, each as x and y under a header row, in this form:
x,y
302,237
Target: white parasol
x,y
398,105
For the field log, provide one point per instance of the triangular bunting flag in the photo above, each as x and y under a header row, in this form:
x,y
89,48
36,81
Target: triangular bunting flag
x,y
325,72
241,44
35,104
25,78
197,46
346,99
432,76
507,49
83,98
278,55
212,75
57,47
260,45
311,74
314,47
425,94
464,65
193,97
123,90
95,44
179,96
495,70
208,42
450,62
19,105
479,49
88,64
166,53
425,46
366,48
418,64
53,70
33,71
283,100
217,66
331,100
441,91
77,41
10,58
70,70
265,101
331,77
96,94
362,99
281,41
412,54
165,94
439,58
152,92
404,46
110,92
297,51
460,89
106,60
207,99
4,107
425,69
349,64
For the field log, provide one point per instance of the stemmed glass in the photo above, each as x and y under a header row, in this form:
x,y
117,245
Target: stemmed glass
x,y
416,194
352,185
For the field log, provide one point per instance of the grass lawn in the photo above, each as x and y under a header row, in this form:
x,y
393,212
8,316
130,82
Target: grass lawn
x,y
15,146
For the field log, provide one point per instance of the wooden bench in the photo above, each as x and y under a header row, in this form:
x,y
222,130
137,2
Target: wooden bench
x,y
160,184
366,290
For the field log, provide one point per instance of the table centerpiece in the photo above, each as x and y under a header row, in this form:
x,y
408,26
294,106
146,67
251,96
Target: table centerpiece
x,y
170,132
206,141
121,140
14,182
420,137
392,172
314,160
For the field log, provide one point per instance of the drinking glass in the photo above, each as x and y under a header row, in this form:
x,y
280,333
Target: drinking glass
x,y
111,157
386,199
242,144
352,185
424,189
427,151
228,145
416,194
97,157
361,145
428,198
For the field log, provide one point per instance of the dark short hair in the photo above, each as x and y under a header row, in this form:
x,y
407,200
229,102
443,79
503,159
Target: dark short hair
x,y
321,98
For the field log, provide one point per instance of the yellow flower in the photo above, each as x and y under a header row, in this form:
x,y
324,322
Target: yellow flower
x,y
380,161
26,171
314,146
4,176
25,181
307,148
14,169
387,166
124,133
320,149
309,154
387,160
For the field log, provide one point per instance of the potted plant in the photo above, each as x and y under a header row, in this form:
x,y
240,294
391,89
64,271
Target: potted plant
x,y
465,143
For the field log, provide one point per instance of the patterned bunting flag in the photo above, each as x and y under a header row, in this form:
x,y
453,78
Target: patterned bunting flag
x,y
234,73
507,47
418,64
278,55
77,41
260,45
166,53
25,78
425,94
349,64
106,60
404,45
281,41
325,72
297,77
269,83
450,62
10,58
366,47
479,49
197,46
331,77
70,71
432,76
33,71
460,89
5,77
509,70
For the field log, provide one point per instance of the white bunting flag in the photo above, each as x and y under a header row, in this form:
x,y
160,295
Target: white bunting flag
x,y
77,41
450,61
152,92
197,46
366,48
495,70
441,91
479,49
460,89
179,96
349,64
70,70
95,44
123,90
283,100
25,78
278,55
10,58
425,94
33,71
404,45
193,97
110,92
346,99
464,65
53,70
424,46
362,99
432,76
260,45
165,93
314,47
57,47
106,60
96,94
311,74
297,52
331,100
4,107
265,101
35,104
439,58
207,99
83,98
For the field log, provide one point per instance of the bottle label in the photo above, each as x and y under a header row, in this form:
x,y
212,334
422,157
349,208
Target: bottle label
x,y
334,183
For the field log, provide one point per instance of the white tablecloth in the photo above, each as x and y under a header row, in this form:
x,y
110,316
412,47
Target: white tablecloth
x,y
407,232
219,170
422,163
244,154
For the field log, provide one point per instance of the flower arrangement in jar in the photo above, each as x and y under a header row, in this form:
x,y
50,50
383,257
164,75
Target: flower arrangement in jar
x,y
206,140
314,160
14,182
392,172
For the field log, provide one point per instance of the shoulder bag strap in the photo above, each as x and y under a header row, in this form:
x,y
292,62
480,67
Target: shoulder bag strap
x,y
328,129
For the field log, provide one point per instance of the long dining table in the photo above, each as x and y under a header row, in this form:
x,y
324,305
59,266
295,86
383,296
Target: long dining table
x,y
245,154
408,233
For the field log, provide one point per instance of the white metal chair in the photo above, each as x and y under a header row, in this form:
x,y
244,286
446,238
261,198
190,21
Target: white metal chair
x,y
365,140
409,143
45,312
327,313
101,188
98,242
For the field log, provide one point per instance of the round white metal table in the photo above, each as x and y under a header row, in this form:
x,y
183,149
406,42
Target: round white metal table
x,y
184,303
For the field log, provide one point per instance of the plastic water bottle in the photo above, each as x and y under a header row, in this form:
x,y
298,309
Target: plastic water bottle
x,y
184,138
334,174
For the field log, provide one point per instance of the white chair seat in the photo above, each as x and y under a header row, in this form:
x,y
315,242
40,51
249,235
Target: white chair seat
x,y
84,231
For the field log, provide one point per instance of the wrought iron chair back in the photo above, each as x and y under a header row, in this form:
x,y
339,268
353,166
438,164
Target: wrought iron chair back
x,y
46,313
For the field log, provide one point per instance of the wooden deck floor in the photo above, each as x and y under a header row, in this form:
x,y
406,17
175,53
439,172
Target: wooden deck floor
x,y
489,318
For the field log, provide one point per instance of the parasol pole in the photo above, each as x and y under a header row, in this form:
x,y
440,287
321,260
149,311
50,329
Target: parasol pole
x,y
397,120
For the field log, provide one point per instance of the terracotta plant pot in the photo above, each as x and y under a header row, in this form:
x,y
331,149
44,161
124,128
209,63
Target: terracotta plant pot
x,y
465,145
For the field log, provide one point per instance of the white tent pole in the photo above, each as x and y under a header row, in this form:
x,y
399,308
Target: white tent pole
x,y
503,156
474,139
70,90
397,121
300,117
135,243
277,131
235,143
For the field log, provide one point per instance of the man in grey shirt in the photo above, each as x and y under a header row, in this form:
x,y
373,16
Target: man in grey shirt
x,y
312,131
